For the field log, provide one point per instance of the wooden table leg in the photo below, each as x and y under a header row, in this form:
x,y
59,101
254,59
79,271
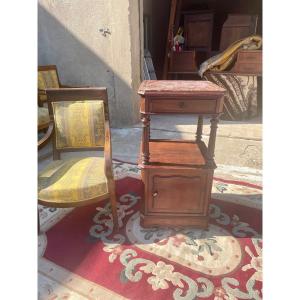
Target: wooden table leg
x,y
39,225
145,138
199,129
212,140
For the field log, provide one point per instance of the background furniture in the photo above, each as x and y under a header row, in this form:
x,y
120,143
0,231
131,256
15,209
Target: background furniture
x,y
81,120
237,27
47,78
43,125
243,80
183,62
198,27
241,98
248,61
178,175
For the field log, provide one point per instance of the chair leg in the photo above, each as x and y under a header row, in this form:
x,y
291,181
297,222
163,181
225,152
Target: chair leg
x,y
39,225
113,202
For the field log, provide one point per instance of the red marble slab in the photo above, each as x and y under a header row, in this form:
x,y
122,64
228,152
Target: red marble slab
x,y
152,87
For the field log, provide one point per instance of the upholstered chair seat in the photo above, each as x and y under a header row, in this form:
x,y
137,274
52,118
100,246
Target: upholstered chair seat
x,y
43,116
72,181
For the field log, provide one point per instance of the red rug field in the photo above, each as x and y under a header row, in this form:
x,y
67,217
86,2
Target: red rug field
x,y
224,262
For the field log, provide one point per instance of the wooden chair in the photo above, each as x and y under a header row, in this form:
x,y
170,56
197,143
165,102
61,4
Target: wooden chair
x,y
81,122
43,125
47,78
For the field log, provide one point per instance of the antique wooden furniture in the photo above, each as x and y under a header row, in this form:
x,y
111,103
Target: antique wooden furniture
x,y
248,61
81,121
47,78
43,118
183,61
236,27
43,125
177,174
198,27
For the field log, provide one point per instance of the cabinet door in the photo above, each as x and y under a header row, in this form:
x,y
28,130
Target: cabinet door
x,y
178,193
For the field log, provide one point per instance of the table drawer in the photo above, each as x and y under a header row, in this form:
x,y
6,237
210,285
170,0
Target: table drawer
x,y
183,106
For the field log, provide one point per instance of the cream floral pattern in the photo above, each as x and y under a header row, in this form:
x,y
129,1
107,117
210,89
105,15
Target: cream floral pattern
x,y
213,252
164,277
256,261
162,273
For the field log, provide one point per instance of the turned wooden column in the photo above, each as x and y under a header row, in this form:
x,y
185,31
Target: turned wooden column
x,y
199,129
212,140
145,138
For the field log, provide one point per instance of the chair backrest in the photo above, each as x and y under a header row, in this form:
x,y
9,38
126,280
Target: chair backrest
x,y
79,116
48,77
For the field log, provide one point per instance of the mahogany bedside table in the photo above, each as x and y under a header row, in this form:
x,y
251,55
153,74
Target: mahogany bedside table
x,y
178,174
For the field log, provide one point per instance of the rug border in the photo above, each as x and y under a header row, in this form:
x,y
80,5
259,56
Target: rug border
x,y
236,182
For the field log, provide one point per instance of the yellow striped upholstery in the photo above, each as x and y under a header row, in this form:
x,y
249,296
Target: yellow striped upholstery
x,y
76,179
47,79
43,116
79,124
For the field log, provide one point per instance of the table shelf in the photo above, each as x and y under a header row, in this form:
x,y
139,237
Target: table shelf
x,y
177,153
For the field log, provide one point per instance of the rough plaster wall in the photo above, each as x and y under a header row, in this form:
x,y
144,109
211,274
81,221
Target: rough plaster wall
x,y
69,37
137,51
126,60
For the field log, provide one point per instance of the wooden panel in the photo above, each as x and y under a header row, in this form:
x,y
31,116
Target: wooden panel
x,y
183,61
199,35
176,197
245,68
237,27
187,106
198,30
248,61
177,194
250,56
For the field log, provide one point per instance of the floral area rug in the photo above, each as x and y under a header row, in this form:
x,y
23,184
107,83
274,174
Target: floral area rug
x,y
81,258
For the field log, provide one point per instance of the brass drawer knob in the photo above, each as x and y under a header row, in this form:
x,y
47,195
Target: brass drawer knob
x,y
155,194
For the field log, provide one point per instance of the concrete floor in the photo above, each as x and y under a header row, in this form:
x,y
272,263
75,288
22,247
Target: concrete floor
x,y
238,144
